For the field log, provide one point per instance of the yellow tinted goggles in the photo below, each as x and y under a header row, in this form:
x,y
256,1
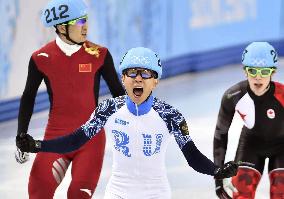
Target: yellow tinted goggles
x,y
263,72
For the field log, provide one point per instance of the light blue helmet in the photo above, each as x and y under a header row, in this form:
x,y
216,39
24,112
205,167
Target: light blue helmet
x,y
141,57
259,54
60,11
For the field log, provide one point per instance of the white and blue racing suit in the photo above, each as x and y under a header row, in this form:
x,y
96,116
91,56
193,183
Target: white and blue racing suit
x,y
141,134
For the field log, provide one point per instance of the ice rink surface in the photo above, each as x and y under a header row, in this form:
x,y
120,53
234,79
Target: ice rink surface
x,y
196,95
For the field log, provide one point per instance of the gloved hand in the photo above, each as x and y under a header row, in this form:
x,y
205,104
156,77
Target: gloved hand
x,y
228,170
26,143
21,157
220,191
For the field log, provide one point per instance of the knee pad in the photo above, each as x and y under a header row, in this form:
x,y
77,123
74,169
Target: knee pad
x,y
276,183
82,190
246,182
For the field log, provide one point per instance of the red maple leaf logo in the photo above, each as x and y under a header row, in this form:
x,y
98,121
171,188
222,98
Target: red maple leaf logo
x,y
242,115
270,112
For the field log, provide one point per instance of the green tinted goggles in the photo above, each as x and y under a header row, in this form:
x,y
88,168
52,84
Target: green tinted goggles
x,y
263,72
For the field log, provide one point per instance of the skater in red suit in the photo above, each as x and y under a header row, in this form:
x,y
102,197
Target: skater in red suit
x,y
260,103
71,67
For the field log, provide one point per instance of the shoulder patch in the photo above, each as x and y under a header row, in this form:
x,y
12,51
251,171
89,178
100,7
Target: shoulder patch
x,y
92,49
230,95
237,90
184,128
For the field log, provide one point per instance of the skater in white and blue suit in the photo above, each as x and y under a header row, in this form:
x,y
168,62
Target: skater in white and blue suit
x,y
141,126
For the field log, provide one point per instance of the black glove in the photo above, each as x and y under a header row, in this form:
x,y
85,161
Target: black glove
x,y
26,143
228,170
220,191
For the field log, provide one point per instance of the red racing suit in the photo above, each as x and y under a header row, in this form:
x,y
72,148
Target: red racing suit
x,y
73,86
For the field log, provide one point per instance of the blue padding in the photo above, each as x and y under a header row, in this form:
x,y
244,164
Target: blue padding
x,y
193,62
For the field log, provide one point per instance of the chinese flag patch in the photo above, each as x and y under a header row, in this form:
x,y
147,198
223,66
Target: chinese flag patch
x,y
85,68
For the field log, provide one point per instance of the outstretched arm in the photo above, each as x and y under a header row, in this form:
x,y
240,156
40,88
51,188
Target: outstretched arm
x,y
63,144
202,164
197,160
74,140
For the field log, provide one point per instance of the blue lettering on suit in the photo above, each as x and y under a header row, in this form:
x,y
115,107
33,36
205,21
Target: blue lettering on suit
x,y
147,148
121,140
120,121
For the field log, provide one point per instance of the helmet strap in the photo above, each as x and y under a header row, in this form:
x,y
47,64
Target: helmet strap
x,y
67,36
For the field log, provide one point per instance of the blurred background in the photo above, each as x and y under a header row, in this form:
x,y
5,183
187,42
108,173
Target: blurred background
x,y
199,41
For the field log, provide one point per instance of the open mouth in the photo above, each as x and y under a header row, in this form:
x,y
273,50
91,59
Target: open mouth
x,y
258,85
138,91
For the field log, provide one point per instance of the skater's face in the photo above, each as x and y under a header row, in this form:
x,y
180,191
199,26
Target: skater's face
x,y
77,30
139,83
259,79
